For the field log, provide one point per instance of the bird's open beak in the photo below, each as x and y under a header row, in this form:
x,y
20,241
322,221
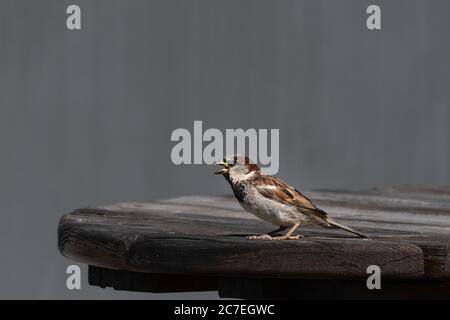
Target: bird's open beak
x,y
225,168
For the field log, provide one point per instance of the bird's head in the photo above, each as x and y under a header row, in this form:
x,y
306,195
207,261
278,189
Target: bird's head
x,y
238,168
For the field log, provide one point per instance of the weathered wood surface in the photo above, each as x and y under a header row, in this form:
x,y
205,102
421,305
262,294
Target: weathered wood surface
x,y
266,288
261,288
149,282
202,236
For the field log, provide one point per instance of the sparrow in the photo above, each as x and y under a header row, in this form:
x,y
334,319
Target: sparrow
x,y
273,200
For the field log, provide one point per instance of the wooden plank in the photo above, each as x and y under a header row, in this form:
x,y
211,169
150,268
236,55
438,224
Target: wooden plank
x,y
143,246
147,282
441,222
139,249
435,259
263,288
221,224
266,288
333,200
354,217
405,192
378,224
436,226
420,193
429,222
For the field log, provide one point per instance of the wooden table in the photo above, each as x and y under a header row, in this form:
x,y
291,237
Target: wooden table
x,y
198,243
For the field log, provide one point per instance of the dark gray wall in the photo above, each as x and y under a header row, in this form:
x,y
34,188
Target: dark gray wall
x,y
86,115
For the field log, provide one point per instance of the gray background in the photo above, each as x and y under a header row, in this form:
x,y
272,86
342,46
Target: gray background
x,y
86,115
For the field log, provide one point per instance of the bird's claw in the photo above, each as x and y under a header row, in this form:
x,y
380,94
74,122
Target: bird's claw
x,y
269,237
287,237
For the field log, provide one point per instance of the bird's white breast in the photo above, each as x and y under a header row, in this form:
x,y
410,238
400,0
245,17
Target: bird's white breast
x,y
270,210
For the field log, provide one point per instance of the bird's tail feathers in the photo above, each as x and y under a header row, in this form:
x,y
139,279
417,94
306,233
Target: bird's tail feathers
x,y
334,224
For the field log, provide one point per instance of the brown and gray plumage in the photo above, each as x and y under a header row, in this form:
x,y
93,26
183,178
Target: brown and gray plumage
x,y
272,200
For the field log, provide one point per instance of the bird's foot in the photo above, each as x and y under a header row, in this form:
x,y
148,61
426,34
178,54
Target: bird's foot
x,y
269,237
286,237
260,237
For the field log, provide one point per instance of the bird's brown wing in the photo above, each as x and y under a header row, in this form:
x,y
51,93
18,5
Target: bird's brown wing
x,y
275,189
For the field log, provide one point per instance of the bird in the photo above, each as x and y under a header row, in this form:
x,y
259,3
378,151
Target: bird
x,y
273,200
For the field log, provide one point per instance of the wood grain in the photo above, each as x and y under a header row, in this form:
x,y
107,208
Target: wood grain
x,y
152,252
204,236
